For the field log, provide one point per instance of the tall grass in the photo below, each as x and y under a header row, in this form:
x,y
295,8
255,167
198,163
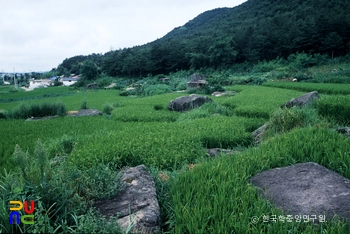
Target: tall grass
x,y
61,193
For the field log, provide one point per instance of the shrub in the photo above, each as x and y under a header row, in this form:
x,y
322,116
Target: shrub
x,y
158,107
84,104
3,114
157,89
107,109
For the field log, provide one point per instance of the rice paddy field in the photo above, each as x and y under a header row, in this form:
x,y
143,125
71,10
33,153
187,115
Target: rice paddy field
x,y
199,194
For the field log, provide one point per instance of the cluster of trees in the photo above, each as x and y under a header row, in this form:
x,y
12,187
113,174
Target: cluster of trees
x,y
254,31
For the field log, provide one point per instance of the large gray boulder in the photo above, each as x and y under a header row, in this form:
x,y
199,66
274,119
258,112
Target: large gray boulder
x,y
306,189
136,203
185,103
303,100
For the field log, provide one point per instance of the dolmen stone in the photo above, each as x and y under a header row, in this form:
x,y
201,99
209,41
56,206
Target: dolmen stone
x,y
303,100
136,203
185,103
306,189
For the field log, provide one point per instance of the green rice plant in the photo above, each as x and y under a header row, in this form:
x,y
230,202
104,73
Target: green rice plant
x,y
309,87
206,110
216,196
51,131
336,108
145,113
164,145
257,101
158,144
223,131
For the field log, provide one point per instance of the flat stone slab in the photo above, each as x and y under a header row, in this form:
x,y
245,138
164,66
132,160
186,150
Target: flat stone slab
x,y
136,203
85,112
306,189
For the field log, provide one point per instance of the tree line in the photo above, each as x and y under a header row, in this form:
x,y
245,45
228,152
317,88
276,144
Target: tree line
x,y
256,30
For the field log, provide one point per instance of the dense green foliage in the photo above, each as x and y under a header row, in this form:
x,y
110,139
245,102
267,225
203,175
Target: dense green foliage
x,y
256,30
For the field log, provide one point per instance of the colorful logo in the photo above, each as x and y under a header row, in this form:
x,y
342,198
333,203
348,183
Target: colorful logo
x,y
16,206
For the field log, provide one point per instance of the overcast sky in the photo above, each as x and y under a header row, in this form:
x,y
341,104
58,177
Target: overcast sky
x,y
37,35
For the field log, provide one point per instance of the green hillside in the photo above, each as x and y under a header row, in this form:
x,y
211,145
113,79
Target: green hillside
x,y
253,31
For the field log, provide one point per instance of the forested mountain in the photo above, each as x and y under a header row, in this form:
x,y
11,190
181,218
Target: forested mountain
x,y
255,30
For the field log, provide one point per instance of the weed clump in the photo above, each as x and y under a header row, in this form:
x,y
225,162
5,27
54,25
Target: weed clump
x,y
62,193
24,111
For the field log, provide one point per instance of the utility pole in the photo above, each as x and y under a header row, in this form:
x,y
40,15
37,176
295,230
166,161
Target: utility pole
x,y
14,78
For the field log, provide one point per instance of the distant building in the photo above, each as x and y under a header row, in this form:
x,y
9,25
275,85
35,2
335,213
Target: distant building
x,y
68,81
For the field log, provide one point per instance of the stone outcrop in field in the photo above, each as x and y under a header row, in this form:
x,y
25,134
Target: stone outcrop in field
x,y
185,103
303,100
136,203
306,189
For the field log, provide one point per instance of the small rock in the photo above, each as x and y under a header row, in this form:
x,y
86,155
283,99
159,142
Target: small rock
x,y
227,93
217,151
344,130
